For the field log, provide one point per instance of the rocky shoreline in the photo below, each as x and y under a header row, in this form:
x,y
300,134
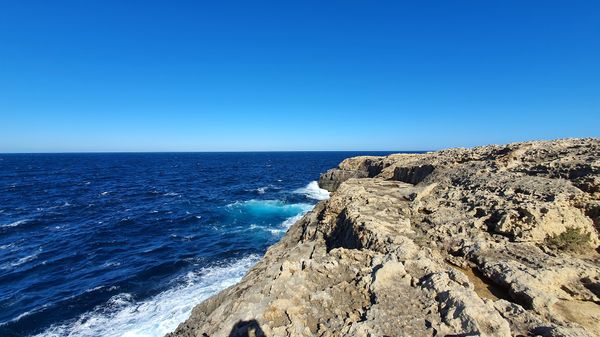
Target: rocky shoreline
x,y
498,240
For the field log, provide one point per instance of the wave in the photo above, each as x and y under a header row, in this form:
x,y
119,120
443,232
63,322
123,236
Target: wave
x,y
274,231
15,223
262,208
283,227
25,314
123,316
63,205
7,246
19,262
292,220
262,190
313,191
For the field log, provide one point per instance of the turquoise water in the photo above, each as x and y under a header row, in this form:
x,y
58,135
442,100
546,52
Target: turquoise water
x,y
127,244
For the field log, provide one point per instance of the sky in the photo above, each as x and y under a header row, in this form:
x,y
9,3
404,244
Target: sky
x,y
79,76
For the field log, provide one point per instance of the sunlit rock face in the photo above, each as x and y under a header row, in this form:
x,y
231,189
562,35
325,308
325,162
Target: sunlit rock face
x,y
453,242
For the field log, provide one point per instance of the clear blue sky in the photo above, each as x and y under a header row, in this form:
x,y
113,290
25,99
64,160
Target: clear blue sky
x,y
295,75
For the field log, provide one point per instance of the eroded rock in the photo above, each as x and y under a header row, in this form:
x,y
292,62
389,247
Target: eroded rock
x,y
441,243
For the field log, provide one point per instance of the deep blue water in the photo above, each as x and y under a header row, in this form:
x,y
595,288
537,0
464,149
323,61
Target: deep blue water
x,y
127,244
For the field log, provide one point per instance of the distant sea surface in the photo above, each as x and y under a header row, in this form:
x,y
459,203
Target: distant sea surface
x,y
127,244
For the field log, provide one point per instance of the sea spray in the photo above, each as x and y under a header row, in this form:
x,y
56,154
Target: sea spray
x,y
123,316
313,191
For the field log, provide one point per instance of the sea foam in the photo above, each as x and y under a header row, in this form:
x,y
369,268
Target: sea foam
x,y
313,191
123,316
18,262
15,223
283,227
262,190
270,208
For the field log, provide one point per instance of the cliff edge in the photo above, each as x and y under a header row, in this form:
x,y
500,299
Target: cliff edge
x,y
492,241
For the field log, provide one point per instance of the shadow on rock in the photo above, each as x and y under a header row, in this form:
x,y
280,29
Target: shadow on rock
x,y
249,328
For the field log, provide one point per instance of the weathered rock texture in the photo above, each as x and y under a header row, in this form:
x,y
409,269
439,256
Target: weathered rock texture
x,y
442,243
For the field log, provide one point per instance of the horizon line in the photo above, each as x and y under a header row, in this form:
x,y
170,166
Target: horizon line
x,y
225,151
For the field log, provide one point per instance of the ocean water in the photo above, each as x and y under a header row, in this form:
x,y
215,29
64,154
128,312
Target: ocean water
x,y
127,244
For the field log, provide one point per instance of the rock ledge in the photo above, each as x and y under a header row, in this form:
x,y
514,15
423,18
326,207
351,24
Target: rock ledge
x,y
448,243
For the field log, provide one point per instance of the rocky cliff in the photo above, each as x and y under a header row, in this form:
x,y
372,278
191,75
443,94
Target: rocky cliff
x,y
492,241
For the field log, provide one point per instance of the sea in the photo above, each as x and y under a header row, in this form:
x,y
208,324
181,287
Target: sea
x,y
126,244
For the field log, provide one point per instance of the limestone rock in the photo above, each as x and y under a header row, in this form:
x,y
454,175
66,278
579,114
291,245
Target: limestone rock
x,y
441,243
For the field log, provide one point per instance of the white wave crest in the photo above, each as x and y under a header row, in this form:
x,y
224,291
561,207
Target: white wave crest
x,y
25,314
15,223
262,190
274,231
290,221
283,227
123,316
8,246
313,191
19,262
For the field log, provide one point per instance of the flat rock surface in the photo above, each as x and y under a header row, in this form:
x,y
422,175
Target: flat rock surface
x,y
448,243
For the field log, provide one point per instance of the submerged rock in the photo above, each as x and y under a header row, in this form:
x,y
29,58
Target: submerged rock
x,y
443,243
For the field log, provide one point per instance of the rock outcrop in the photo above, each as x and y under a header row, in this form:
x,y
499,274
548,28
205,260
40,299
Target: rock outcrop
x,y
448,243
